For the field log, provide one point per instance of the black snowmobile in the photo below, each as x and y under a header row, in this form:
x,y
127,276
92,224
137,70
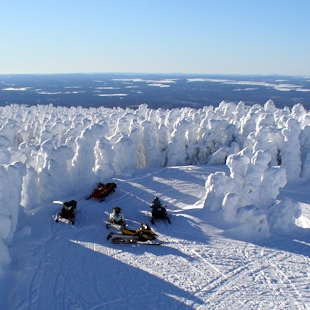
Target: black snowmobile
x,y
67,212
142,235
159,211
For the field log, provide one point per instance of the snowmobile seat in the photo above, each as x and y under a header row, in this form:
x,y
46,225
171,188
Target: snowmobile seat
x,y
129,231
159,211
144,227
102,191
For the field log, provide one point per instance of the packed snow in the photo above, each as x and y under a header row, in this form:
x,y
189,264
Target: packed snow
x,y
235,180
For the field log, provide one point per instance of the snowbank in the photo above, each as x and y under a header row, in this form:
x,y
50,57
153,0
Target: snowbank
x,y
248,195
49,153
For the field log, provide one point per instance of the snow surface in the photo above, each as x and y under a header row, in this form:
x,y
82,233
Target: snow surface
x,y
235,180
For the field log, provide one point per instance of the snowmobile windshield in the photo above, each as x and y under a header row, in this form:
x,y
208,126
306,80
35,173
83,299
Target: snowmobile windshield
x,y
100,185
67,207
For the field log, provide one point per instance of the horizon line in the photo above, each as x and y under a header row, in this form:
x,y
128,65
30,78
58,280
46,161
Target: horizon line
x,y
154,73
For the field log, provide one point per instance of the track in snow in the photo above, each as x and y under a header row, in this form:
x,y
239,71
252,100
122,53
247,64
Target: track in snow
x,y
196,267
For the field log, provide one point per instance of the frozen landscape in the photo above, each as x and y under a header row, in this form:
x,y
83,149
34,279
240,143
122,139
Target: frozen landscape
x,y
168,91
235,180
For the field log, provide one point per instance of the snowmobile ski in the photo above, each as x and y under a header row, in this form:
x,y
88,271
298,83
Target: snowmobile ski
x,y
117,226
67,212
58,218
164,219
133,241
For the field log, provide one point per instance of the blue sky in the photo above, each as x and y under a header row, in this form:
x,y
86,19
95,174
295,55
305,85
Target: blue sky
x,y
158,36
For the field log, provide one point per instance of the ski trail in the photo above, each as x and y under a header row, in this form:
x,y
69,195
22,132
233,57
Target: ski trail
x,y
197,267
212,266
302,242
40,252
259,267
103,305
283,279
219,284
144,176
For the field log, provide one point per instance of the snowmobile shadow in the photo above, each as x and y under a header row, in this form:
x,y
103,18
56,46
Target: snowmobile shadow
x,y
183,229
158,251
170,191
140,201
121,278
299,244
179,175
195,177
291,188
164,186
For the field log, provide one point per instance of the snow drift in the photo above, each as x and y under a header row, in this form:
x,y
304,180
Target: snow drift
x,y
51,153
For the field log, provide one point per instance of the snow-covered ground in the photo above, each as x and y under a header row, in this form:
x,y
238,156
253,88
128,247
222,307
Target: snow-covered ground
x,y
202,263
235,180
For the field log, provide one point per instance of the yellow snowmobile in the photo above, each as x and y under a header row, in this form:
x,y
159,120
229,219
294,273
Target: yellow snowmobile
x,y
144,235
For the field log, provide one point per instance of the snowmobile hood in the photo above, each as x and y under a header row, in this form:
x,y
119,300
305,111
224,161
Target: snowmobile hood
x,y
130,232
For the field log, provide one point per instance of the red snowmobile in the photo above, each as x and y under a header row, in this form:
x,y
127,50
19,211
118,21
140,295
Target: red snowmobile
x,y
102,191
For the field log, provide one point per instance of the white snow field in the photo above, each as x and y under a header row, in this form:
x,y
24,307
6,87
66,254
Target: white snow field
x,y
235,180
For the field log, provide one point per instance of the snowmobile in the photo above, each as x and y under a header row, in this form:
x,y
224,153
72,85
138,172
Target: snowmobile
x,y
116,218
142,235
159,211
67,212
102,191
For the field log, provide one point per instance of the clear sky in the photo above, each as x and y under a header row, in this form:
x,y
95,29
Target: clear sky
x,y
155,36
